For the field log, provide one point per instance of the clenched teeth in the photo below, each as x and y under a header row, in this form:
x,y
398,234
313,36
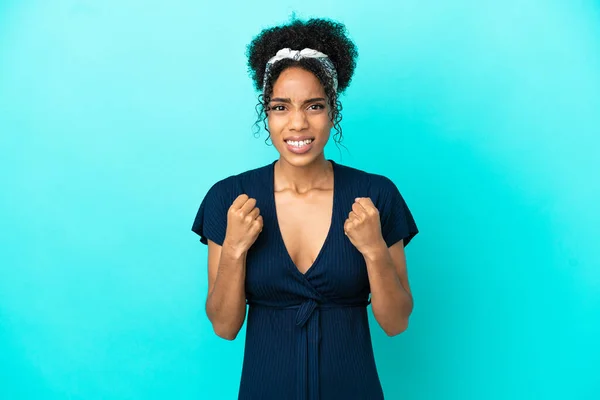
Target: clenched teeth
x,y
299,143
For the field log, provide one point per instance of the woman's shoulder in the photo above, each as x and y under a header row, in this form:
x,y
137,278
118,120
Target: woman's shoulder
x,y
365,178
233,182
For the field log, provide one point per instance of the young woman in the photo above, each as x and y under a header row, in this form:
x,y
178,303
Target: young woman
x,y
304,241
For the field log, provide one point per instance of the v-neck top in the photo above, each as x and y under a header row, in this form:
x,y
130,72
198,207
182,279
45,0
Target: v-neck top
x,y
277,228
307,334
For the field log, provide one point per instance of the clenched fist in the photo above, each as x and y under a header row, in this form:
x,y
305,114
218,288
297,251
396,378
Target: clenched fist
x,y
244,223
363,226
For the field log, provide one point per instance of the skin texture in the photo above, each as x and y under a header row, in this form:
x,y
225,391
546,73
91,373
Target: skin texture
x,y
304,183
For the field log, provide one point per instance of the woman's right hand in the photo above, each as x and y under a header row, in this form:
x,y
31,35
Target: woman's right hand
x,y
244,224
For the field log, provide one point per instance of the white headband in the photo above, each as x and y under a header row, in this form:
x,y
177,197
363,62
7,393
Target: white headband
x,y
299,54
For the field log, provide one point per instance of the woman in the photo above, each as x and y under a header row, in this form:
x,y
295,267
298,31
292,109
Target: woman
x,y
303,240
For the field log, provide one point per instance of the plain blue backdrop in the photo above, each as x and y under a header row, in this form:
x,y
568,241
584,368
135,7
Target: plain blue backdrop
x,y
117,116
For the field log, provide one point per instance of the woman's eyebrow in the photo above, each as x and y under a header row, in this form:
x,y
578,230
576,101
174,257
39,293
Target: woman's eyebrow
x,y
287,100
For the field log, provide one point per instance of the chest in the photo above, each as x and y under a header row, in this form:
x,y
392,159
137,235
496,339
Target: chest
x,y
304,223
302,251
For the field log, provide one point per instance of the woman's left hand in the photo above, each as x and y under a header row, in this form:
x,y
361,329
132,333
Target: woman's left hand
x,y
363,226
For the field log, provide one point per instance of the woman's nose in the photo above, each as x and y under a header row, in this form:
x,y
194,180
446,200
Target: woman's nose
x,y
298,120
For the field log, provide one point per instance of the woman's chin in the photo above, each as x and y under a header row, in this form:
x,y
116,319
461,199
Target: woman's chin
x,y
302,160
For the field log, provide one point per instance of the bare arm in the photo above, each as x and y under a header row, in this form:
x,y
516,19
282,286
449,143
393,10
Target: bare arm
x,y
226,301
391,298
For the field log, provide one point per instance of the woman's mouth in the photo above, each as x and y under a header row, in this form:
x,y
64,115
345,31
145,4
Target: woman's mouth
x,y
299,146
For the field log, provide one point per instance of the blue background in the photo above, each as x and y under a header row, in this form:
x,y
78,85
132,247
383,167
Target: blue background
x,y
117,116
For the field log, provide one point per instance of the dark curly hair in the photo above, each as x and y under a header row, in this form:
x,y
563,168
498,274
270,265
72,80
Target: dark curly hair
x,y
324,35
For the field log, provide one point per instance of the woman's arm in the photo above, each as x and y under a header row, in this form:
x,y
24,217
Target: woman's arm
x,y
226,301
391,298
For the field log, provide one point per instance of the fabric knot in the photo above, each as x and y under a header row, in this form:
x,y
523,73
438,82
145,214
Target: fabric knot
x,y
305,311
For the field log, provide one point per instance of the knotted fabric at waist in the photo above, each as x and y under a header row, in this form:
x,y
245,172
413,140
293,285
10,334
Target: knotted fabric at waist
x,y
307,307
308,338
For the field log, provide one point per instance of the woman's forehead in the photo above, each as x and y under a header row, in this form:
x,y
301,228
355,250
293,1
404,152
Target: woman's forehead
x,y
297,83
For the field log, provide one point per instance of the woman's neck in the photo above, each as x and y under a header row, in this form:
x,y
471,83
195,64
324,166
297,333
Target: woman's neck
x,y
316,175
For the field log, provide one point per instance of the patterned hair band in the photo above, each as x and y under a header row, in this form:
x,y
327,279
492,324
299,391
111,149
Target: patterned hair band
x,y
299,54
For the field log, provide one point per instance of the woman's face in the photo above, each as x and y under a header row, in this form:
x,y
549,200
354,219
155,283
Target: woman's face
x,y
298,118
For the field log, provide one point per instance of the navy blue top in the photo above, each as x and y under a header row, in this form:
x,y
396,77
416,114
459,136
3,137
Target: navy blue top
x,y
307,335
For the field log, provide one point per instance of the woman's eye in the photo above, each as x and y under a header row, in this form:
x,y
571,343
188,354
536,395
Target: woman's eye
x,y
317,107
277,108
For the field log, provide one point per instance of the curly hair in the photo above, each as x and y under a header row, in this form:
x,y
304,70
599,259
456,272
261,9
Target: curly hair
x,y
324,35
